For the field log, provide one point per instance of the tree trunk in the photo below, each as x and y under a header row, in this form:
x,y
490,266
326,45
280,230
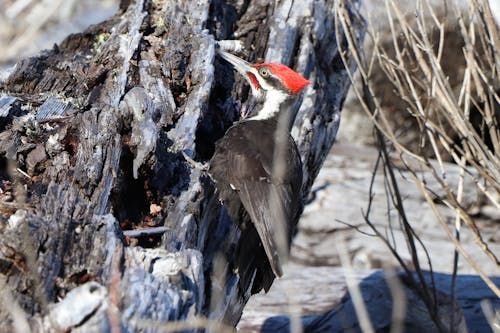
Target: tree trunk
x,y
106,222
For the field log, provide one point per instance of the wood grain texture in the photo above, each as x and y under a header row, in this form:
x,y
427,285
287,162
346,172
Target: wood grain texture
x,y
98,136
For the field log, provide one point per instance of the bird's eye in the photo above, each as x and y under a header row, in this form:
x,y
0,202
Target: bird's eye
x,y
264,72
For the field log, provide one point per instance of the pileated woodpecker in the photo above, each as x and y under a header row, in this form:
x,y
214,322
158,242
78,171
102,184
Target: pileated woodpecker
x,y
258,173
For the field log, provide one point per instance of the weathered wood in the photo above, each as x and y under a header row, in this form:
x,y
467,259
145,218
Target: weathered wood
x,y
98,136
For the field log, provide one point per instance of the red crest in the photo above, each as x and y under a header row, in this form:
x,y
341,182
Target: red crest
x,y
292,80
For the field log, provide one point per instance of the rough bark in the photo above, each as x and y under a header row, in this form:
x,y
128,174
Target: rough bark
x,y
97,137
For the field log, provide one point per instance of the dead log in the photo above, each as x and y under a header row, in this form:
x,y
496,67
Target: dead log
x,y
98,137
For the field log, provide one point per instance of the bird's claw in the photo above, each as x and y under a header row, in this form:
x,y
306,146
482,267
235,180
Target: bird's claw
x,y
244,112
193,163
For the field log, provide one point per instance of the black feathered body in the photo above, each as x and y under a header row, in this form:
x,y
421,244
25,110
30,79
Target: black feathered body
x,y
258,173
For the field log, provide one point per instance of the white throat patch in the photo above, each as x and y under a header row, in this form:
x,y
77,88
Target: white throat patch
x,y
274,99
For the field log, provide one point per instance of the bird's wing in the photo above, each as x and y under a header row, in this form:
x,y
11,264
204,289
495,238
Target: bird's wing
x,y
265,203
272,202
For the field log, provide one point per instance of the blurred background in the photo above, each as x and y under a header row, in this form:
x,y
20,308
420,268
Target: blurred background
x,y
28,26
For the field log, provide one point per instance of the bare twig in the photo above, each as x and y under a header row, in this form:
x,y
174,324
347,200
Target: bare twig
x,y
145,232
353,287
420,81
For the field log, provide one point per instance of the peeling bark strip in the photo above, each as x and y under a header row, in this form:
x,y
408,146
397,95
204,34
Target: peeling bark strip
x,y
98,136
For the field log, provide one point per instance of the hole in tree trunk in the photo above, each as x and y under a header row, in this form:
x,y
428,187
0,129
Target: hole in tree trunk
x,y
131,200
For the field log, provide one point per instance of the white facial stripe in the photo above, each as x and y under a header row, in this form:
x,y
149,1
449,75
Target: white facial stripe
x,y
271,107
262,82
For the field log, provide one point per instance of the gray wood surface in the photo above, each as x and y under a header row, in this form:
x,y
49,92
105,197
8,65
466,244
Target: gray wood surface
x,y
97,137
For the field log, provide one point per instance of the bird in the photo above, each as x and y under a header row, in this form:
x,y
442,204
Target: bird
x,y
257,171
